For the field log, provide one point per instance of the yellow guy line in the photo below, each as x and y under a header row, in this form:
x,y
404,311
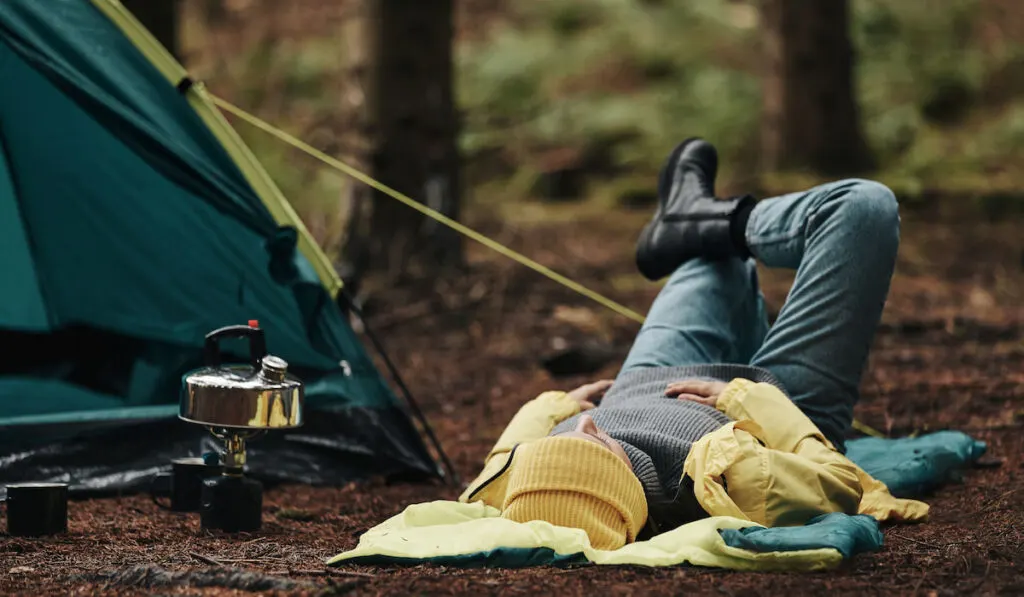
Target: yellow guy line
x,y
865,429
440,217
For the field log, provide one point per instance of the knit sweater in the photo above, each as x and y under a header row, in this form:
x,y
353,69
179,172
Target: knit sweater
x,y
657,432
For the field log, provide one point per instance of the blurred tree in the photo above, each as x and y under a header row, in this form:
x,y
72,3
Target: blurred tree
x,y
810,115
161,18
399,95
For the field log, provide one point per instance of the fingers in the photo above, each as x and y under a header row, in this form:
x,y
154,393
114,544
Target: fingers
x,y
709,401
585,405
603,386
591,393
692,386
597,389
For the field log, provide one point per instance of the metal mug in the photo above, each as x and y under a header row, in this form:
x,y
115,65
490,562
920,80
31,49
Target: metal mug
x,y
37,509
183,484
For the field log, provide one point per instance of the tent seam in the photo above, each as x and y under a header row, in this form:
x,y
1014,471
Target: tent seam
x,y
238,152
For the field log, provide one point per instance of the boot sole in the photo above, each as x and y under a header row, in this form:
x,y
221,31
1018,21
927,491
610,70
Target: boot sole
x,y
665,177
667,172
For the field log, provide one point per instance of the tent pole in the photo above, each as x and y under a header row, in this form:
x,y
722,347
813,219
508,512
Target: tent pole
x,y
350,306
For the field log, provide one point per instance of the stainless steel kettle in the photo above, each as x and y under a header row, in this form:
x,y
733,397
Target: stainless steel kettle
x,y
259,395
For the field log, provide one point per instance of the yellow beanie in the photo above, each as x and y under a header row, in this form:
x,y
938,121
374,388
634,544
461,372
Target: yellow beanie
x,y
573,482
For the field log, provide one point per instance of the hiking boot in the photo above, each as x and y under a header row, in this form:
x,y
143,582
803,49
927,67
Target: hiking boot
x,y
690,221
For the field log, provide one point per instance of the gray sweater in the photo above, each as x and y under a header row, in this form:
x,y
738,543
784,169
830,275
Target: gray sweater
x,y
657,432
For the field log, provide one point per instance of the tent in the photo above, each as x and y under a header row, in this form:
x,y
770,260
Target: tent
x,y
133,221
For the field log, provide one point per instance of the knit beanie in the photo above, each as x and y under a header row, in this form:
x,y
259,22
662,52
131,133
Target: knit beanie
x,y
573,482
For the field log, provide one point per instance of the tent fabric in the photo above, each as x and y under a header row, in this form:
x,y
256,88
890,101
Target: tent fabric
x,y
203,105
87,57
128,231
474,535
104,455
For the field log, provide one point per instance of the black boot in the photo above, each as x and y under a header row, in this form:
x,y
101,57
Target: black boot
x,y
690,221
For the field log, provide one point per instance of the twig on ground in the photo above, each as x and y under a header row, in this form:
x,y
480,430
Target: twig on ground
x,y
918,541
997,500
328,572
918,585
205,559
349,573
571,569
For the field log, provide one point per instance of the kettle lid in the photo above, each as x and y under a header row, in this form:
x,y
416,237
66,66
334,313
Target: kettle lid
x,y
258,395
271,374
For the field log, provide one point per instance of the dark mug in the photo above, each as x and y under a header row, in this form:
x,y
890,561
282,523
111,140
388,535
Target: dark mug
x,y
183,484
37,509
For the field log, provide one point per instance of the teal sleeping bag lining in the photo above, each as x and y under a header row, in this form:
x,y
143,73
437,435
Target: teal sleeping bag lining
x,y
909,467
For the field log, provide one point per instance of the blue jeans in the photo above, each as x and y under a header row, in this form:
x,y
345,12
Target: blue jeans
x,y
841,238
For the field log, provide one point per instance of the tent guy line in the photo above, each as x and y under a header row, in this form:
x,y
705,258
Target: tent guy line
x,y
443,219
431,213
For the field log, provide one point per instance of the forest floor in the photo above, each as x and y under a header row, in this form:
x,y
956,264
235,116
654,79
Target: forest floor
x,y
948,355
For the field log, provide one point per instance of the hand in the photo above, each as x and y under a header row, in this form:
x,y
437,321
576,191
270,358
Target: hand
x,y
697,390
589,395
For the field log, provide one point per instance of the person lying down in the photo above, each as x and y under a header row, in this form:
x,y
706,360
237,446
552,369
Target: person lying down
x,y
714,412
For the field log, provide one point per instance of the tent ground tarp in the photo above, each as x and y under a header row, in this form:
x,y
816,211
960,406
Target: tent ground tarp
x,y
129,229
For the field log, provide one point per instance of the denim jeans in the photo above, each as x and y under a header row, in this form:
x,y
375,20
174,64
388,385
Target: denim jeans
x,y
842,239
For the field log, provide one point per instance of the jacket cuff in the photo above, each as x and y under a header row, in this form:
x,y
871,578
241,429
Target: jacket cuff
x,y
559,404
733,392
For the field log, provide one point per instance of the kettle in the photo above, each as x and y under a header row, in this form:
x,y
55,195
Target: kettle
x,y
237,403
260,395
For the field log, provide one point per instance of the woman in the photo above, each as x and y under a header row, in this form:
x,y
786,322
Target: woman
x,y
713,412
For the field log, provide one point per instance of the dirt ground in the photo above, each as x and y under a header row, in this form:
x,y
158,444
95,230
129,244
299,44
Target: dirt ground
x,y
948,356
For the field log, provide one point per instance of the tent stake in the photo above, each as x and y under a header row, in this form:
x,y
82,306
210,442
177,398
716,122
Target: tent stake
x,y
350,305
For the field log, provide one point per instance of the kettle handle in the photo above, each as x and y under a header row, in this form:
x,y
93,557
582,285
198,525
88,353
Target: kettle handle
x,y
257,344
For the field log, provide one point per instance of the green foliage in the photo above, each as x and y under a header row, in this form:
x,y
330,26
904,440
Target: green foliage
x,y
636,75
640,75
615,84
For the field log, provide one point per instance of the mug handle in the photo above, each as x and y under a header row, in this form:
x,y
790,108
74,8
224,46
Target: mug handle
x,y
159,487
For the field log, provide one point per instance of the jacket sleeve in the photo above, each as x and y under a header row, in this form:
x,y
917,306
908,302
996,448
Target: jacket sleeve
x,y
785,471
784,425
534,421
786,428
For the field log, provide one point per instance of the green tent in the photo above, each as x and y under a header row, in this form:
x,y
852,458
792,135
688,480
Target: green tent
x,y
133,221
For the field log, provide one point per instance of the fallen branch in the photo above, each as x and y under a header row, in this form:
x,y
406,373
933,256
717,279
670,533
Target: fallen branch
x,y
326,572
350,573
205,559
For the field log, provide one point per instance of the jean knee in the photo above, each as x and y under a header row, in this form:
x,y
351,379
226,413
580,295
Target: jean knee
x,y
870,206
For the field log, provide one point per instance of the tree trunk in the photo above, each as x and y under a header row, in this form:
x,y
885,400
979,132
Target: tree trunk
x,y
161,18
811,119
401,82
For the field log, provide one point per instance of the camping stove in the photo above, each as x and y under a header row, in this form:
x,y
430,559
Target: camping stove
x,y
238,403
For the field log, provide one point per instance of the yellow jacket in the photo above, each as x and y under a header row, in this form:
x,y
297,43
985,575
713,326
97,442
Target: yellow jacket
x,y
778,467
